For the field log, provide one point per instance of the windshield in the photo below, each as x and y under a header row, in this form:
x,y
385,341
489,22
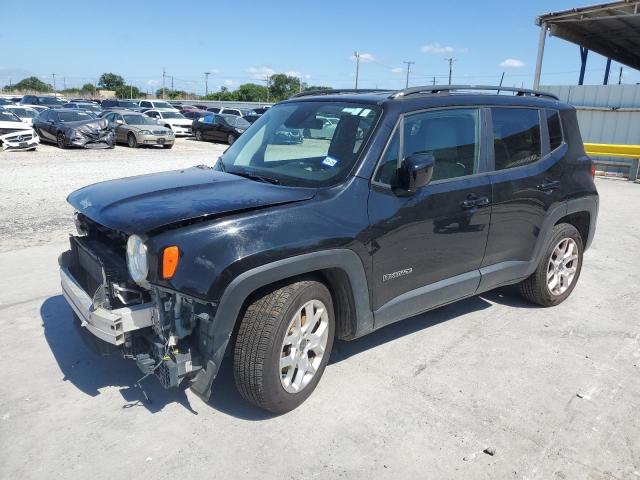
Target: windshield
x,y
89,106
8,117
292,144
235,121
172,115
50,101
139,120
128,104
162,105
247,111
73,116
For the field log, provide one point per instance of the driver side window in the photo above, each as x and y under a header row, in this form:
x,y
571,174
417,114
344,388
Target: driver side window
x,y
451,135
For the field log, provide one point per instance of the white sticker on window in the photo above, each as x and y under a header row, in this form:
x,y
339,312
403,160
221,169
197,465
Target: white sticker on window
x,y
330,162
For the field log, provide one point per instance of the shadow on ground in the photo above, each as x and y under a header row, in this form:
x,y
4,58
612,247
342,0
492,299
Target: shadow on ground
x,y
90,372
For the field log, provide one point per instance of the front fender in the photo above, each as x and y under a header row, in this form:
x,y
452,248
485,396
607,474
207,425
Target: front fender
x,y
220,329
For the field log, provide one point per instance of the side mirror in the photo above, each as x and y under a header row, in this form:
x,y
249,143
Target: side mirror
x,y
119,122
416,171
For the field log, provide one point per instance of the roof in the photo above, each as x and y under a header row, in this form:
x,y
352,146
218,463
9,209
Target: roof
x,y
610,29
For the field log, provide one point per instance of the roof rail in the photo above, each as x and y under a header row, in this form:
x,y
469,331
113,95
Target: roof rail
x,y
433,89
340,91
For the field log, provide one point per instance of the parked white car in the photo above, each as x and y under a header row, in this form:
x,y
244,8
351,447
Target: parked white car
x,y
15,135
25,114
172,119
156,105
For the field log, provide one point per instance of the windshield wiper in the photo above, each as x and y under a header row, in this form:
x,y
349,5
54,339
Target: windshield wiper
x,y
257,178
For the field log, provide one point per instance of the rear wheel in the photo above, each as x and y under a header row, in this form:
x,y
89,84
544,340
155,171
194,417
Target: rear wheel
x,y
132,141
230,139
558,271
198,135
283,345
61,140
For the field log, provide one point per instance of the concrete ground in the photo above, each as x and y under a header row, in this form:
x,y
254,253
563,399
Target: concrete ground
x,y
554,392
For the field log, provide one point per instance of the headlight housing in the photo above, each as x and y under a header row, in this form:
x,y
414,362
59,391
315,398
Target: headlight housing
x,y
145,132
137,259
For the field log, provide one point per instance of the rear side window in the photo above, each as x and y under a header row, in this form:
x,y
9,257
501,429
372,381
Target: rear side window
x,y
516,133
555,129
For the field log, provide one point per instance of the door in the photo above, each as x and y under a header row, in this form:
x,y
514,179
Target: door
x,y
48,128
206,127
526,185
428,247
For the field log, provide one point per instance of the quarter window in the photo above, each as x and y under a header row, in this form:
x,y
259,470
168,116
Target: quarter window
x,y
555,129
516,133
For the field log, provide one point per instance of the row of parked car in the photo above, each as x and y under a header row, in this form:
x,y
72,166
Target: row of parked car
x,y
102,124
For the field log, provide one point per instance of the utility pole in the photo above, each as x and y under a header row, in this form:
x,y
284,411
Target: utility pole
x,y
434,80
409,63
620,77
357,57
501,80
64,83
206,83
267,80
54,82
450,60
164,74
172,82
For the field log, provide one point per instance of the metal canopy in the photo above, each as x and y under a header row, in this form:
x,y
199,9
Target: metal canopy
x,y
610,29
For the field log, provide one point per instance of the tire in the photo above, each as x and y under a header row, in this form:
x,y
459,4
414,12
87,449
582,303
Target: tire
x,y
61,141
536,289
168,146
198,135
267,330
230,139
132,141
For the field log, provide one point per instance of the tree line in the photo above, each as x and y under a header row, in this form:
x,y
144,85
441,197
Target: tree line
x,y
279,87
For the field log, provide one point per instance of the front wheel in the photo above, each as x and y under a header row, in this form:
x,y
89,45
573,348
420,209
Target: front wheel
x,y
198,135
283,345
558,271
132,141
61,141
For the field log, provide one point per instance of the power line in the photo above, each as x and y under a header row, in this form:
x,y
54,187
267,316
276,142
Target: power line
x,y
409,63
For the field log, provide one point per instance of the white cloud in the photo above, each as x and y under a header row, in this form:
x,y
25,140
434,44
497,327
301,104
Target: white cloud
x,y
437,48
214,71
307,77
153,83
512,63
292,73
397,70
228,83
364,57
259,73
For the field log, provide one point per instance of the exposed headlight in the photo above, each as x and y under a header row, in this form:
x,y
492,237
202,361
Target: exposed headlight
x,y
145,132
239,130
137,260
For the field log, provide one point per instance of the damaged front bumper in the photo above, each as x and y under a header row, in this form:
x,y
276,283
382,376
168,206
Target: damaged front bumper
x,y
159,330
22,140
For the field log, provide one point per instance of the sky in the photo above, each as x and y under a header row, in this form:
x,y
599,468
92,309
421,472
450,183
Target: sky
x,y
243,41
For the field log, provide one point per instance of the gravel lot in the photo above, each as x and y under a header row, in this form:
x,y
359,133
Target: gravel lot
x,y
34,185
554,392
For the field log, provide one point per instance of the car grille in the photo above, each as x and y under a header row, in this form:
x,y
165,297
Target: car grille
x,y
159,132
20,138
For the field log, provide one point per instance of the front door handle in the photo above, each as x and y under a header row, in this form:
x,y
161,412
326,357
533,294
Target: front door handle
x,y
473,201
548,186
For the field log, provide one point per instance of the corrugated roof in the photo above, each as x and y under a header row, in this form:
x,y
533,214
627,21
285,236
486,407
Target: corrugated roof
x,y
610,29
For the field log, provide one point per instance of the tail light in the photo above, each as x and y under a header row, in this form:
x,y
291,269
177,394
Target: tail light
x,y
593,170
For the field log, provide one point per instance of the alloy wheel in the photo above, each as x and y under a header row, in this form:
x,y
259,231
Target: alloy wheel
x,y
562,267
304,346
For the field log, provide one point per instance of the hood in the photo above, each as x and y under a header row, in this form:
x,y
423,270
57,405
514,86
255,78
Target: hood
x,y
179,121
10,127
148,202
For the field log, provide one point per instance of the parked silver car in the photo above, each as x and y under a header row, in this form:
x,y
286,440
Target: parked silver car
x,y
136,129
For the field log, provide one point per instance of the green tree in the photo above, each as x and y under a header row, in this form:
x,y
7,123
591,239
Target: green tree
x,y
282,86
308,88
251,92
31,84
88,88
127,91
110,81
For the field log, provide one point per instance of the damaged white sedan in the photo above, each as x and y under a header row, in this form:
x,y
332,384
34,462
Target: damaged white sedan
x,y
16,135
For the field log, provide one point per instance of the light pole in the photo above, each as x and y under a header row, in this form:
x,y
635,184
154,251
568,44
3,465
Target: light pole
x,y
450,60
206,83
357,57
409,63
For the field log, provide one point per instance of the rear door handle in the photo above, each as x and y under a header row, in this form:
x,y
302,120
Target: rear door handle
x,y
473,201
548,186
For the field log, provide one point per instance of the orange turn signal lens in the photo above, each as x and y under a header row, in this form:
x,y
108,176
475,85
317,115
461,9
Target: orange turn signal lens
x,y
170,258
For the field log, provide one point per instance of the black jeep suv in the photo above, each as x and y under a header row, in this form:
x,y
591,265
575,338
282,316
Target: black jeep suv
x,y
411,200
